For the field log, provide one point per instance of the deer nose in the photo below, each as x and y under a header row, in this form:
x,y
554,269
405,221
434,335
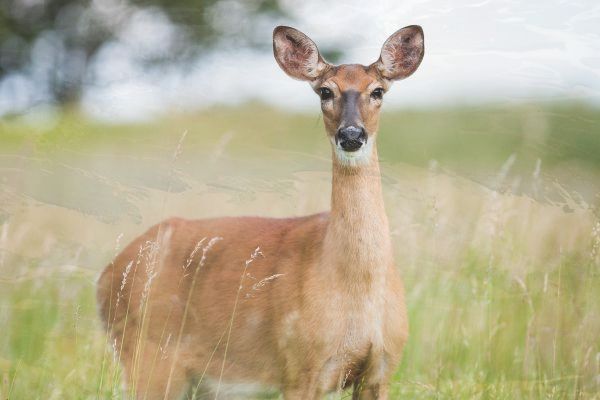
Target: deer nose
x,y
351,138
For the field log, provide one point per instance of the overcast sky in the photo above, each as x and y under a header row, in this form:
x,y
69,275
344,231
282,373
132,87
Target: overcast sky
x,y
475,51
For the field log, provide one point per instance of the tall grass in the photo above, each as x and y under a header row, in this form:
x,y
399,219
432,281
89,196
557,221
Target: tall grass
x,y
492,213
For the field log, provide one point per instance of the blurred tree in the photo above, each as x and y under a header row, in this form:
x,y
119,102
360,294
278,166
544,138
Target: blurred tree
x,y
53,42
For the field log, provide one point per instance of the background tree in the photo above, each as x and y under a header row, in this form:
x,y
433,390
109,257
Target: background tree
x,y
52,43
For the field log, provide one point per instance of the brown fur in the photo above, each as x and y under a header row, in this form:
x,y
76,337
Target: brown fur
x,y
307,305
346,78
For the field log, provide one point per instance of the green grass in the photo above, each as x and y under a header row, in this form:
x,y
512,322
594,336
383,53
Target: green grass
x,y
493,213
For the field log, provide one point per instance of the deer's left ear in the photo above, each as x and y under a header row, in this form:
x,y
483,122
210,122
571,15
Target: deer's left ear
x,y
402,53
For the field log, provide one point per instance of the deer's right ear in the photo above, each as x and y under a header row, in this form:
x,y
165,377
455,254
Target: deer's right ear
x,y
297,55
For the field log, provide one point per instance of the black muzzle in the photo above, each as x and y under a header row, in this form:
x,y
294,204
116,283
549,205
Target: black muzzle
x,y
351,138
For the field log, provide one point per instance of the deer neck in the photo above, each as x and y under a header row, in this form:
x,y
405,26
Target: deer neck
x,y
357,243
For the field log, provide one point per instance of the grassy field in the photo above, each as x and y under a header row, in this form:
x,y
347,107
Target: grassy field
x,y
494,214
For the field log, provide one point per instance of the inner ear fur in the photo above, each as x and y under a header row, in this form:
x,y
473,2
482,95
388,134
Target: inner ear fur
x,y
401,53
297,55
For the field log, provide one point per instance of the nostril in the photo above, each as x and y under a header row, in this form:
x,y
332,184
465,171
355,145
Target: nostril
x,y
351,138
351,133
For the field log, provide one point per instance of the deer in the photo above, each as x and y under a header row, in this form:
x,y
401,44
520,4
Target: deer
x,y
307,305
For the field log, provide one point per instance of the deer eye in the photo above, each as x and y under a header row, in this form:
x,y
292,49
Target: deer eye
x,y
377,94
325,93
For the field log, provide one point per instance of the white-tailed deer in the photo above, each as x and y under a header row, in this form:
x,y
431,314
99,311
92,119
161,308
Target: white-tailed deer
x,y
306,305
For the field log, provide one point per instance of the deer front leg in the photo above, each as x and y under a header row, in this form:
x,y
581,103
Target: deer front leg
x,y
367,391
375,382
305,388
301,382
301,394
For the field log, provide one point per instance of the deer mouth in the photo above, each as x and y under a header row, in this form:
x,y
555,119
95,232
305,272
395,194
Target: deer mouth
x,y
353,154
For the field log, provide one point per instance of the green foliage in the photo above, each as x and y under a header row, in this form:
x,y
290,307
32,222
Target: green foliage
x,y
70,33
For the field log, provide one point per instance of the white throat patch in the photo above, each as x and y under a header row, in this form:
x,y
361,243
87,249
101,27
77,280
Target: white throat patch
x,y
356,158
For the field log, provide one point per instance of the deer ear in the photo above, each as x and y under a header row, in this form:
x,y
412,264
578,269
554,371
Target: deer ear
x,y
401,53
297,55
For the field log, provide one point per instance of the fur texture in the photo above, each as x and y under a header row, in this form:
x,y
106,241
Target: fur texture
x,y
306,305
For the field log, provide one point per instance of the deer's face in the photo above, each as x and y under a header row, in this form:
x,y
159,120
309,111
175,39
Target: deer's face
x,y
351,97
351,94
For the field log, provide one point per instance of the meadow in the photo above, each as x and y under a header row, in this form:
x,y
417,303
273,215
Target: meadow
x,y
494,215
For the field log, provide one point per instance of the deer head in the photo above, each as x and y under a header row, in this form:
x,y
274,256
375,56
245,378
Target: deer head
x,y
351,94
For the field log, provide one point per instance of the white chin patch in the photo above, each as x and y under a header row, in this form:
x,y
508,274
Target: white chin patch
x,y
356,158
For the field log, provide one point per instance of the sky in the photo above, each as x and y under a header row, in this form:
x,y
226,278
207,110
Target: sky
x,y
476,51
